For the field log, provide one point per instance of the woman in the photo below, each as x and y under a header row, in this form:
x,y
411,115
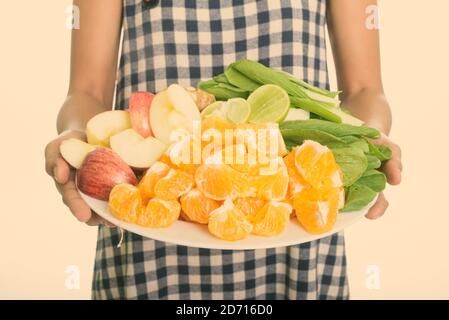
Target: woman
x,y
179,41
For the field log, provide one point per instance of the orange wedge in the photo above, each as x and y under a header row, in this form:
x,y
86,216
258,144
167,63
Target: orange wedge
x,y
229,223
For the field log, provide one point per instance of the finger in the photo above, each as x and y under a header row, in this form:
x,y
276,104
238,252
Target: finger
x,y
393,170
379,208
51,155
61,171
73,200
96,220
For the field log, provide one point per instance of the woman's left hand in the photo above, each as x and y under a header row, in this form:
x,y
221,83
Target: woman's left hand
x,y
392,169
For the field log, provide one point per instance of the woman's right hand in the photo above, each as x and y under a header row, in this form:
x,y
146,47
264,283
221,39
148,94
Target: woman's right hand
x,y
64,177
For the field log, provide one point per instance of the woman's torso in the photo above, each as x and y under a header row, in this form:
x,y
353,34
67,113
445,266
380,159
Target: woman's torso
x,y
183,42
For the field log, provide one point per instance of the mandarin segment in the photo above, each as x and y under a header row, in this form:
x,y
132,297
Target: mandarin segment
x,y
249,205
271,186
157,171
272,219
159,213
219,181
196,207
296,181
316,163
229,223
185,154
175,184
317,209
125,202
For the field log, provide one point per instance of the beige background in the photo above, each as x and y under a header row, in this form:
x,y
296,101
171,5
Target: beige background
x,y
39,238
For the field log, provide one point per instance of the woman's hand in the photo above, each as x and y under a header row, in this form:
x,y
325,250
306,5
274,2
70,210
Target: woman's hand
x,y
392,169
64,178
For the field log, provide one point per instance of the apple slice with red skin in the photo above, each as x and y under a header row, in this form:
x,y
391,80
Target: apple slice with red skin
x,y
139,111
100,171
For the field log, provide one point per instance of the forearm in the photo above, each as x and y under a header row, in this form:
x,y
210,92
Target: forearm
x,y
371,106
93,63
76,111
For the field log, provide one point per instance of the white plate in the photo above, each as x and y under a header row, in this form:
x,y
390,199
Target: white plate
x,y
196,235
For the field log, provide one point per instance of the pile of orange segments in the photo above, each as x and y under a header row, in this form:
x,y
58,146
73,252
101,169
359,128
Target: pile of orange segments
x,y
235,199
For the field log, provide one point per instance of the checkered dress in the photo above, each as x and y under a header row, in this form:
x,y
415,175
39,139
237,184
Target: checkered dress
x,y
184,41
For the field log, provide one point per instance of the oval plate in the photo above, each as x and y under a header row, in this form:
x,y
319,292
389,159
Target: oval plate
x,y
196,235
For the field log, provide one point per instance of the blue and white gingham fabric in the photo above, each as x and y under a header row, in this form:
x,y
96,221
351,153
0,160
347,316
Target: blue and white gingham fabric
x,y
184,41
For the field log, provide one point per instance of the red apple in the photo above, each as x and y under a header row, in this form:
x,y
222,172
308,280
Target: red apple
x,y
139,110
100,171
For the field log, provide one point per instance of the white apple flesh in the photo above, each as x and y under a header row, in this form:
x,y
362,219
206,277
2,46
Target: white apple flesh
x,y
101,170
74,151
104,125
136,151
172,109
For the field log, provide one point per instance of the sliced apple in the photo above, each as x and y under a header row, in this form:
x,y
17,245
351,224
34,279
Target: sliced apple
x,y
171,109
139,111
74,151
182,102
136,151
104,125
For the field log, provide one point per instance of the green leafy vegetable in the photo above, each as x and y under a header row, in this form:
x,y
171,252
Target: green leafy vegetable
x,y
331,94
352,162
264,75
248,75
337,129
358,196
373,162
237,79
380,151
298,136
222,91
314,107
221,78
373,179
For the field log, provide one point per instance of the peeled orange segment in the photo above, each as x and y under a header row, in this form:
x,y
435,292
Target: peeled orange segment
x,y
166,159
233,155
249,205
272,219
197,207
157,171
219,181
316,163
216,123
316,209
159,213
125,202
215,133
270,181
229,223
175,184
185,154
296,181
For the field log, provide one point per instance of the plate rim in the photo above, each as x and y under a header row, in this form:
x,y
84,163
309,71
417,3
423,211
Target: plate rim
x,y
226,245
